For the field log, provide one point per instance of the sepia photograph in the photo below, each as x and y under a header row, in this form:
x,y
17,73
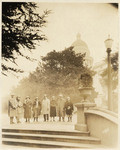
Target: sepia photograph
x,y
59,74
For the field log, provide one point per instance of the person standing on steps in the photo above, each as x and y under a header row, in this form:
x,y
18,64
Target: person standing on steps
x,y
36,109
60,107
27,109
12,108
46,108
53,108
69,109
20,109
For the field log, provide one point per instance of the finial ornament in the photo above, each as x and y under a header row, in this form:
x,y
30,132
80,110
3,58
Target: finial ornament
x,y
78,36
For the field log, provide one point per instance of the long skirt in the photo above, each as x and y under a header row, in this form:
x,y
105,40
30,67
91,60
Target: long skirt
x,y
52,111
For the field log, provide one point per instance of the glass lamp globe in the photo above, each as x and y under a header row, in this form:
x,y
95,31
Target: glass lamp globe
x,y
108,43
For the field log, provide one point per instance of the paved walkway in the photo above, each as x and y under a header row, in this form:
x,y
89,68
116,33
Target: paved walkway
x,y
41,125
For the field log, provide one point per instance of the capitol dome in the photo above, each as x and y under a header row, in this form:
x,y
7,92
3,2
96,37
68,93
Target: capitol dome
x,y
81,47
79,42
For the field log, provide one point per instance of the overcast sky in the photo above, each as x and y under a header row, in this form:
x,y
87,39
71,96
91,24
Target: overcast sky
x,y
93,21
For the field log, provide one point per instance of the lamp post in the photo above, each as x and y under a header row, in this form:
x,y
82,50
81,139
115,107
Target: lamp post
x,y
108,44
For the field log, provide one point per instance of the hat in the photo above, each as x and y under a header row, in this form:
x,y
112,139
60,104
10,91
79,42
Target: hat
x,y
45,95
27,97
18,98
60,95
68,97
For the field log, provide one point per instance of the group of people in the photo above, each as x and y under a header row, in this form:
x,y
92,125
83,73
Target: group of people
x,y
48,108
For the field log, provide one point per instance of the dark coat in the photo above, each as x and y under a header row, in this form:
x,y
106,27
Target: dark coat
x,y
36,108
27,109
53,108
68,108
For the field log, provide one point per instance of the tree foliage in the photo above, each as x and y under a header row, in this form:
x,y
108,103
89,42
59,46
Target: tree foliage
x,y
86,80
114,62
58,73
114,72
21,28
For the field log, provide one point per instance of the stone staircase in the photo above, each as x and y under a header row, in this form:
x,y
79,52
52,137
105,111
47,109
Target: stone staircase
x,y
49,139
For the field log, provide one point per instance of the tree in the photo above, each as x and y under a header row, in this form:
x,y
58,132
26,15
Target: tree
x,y
114,72
114,80
58,73
21,28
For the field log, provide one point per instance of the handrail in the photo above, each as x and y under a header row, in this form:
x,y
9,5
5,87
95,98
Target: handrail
x,y
103,113
106,111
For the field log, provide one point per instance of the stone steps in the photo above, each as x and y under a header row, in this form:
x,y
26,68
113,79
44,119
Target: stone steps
x,y
48,144
49,139
51,132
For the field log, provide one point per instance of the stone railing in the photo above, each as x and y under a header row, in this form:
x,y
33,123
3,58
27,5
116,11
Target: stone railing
x,y
103,124
100,123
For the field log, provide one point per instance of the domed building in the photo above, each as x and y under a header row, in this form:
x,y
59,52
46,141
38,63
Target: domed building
x,y
81,47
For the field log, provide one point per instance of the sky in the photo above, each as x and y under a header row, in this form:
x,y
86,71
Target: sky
x,y
94,21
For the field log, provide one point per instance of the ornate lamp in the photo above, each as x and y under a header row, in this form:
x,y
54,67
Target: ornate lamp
x,y
108,44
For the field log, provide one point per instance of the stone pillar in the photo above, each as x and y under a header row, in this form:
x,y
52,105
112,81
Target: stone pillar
x,y
81,121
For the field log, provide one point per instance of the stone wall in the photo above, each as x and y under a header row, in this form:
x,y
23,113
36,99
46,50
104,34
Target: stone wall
x,y
104,125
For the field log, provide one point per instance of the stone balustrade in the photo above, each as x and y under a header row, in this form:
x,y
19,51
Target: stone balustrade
x,y
101,123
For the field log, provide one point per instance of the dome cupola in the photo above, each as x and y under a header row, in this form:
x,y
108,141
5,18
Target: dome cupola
x,y
81,47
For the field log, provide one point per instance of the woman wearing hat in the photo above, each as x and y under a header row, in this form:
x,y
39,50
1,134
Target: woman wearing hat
x,y
69,109
27,109
36,109
53,108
